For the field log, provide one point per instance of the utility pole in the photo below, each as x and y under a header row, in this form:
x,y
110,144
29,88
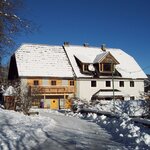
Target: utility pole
x,y
113,87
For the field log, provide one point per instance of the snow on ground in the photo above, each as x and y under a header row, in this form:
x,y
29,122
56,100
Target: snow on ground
x,y
52,130
132,135
18,131
55,130
72,133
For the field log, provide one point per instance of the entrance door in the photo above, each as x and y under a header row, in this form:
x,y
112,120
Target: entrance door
x,y
54,104
46,103
62,103
68,104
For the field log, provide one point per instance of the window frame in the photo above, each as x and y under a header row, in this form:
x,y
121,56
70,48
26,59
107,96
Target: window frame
x,y
103,65
93,83
71,83
85,67
132,97
35,82
107,84
53,81
121,83
132,84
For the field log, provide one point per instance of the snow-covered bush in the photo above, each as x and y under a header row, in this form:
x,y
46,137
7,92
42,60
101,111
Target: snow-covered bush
x,y
130,107
77,104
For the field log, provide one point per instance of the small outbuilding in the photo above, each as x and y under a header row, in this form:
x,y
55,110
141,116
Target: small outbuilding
x,y
9,98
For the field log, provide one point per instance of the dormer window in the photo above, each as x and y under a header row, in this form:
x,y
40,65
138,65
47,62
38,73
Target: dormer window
x,y
85,67
106,67
106,62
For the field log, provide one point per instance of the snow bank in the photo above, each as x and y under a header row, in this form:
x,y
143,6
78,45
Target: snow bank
x,y
23,132
123,130
131,107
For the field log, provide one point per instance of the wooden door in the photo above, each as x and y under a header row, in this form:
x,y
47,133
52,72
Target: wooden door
x,y
54,104
68,104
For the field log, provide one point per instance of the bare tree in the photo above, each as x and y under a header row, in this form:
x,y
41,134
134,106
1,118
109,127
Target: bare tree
x,y
11,23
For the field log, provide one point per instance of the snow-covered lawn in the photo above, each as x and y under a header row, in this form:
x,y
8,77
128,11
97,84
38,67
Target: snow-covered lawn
x,y
18,131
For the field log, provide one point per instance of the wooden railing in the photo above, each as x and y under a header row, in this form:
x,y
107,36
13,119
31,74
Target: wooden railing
x,y
51,89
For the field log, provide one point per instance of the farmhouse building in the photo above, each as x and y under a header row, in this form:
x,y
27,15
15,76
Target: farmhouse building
x,y
64,72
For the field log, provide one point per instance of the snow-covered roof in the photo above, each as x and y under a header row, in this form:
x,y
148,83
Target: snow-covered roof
x,y
100,57
127,66
57,61
84,58
10,91
42,61
89,52
109,93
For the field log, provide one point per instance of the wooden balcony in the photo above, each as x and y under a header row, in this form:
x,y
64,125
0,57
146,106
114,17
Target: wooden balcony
x,y
51,89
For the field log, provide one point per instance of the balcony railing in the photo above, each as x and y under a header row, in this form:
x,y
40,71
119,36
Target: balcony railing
x,y
51,89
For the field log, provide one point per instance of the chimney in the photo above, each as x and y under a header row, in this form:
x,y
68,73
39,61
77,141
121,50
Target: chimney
x,y
86,44
66,43
103,47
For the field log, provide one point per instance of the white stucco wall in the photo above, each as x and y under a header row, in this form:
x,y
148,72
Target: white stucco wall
x,y
85,91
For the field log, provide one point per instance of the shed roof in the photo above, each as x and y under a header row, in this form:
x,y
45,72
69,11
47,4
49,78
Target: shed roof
x,y
10,91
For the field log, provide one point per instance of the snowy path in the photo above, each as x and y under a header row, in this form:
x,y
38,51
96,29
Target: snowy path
x,y
75,134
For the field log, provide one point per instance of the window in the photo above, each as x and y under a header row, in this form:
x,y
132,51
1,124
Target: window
x,y
71,83
85,67
132,98
45,82
53,82
107,67
101,67
121,83
36,82
64,82
108,83
93,83
131,83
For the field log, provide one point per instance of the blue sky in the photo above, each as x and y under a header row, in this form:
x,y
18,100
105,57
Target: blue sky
x,y
121,24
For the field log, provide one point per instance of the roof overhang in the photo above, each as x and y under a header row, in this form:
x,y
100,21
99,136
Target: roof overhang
x,y
106,56
108,93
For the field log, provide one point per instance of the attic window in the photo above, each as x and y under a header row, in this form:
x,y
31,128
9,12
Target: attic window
x,y
85,67
105,67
